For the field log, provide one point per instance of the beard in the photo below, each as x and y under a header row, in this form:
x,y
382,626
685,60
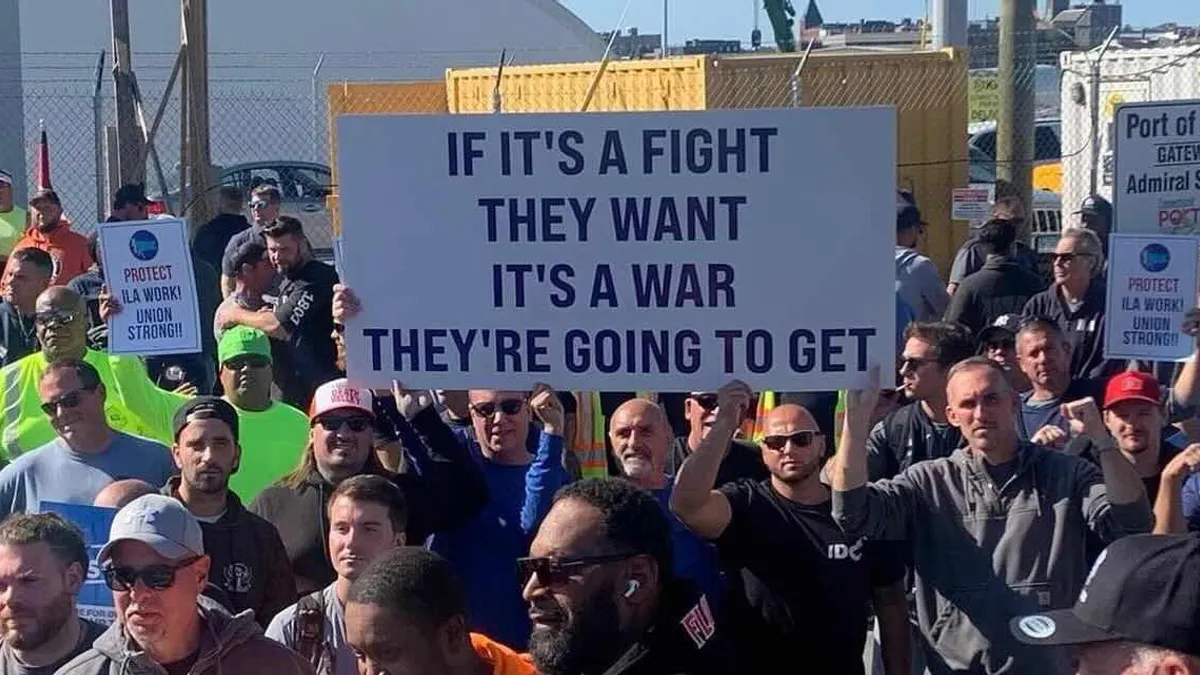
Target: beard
x,y
587,643
209,483
802,472
48,624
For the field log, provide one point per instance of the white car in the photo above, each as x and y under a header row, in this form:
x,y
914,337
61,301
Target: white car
x,y
1046,226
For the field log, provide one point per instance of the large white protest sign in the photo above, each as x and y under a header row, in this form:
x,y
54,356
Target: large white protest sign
x,y
148,269
662,251
1156,153
1151,286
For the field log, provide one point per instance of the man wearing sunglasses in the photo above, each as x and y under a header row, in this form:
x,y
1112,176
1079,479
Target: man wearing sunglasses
x,y
88,453
43,565
1076,301
808,587
265,203
521,485
445,489
155,564
249,561
743,460
273,433
603,596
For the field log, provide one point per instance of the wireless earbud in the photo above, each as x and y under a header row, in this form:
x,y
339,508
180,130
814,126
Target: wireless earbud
x,y
632,588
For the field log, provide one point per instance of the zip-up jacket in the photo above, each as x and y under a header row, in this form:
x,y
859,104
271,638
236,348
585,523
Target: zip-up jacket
x,y
228,645
984,553
249,561
446,490
685,639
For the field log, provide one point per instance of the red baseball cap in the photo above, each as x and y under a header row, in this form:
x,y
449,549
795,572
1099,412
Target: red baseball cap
x,y
1132,385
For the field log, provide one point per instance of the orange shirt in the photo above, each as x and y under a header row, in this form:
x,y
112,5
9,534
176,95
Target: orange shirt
x,y
68,250
503,660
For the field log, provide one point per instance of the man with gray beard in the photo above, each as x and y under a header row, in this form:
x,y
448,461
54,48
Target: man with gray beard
x,y
602,594
43,564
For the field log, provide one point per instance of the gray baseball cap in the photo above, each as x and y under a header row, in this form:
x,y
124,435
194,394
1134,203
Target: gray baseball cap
x,y
159,521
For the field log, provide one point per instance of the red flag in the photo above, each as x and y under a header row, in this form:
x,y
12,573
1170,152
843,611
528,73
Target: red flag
x,y
43,163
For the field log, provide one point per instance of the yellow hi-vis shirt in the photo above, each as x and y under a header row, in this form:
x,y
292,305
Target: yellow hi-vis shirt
x,y
26,427
273,441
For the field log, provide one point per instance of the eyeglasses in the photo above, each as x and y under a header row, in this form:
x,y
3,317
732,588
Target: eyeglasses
x,y
259,204
509,406
155,577
800,439
357,423
53,316
913,362
706,401
1067,258
558,571
247,361
67,401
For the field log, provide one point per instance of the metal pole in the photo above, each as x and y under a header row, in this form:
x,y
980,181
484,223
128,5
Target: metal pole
x,y
128,136
666,23
316,110
949,23
1093,179
1015,121
98,136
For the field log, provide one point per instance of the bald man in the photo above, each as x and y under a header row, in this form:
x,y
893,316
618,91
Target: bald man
x,y
808,586
120,492
132,403
641,438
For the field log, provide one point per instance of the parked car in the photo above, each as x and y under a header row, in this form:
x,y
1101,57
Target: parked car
x,y
1047,149
1046,225
304,187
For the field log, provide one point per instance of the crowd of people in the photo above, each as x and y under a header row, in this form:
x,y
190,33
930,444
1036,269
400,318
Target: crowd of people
x,y
1018,504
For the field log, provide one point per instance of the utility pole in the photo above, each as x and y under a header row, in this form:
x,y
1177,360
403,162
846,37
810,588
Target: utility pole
x,y
129,137
1015,122
949,23
196,169
666,21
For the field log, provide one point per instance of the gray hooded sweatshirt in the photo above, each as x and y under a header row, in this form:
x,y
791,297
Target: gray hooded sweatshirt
x,y
229,645
984,554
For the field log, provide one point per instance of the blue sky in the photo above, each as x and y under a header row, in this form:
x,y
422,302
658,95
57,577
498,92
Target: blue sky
x,y
729,19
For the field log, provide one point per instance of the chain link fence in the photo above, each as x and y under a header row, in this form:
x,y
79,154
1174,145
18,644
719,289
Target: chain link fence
x,y
271,115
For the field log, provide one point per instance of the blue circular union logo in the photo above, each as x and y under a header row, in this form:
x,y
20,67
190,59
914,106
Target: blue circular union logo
x,y
1155,258
143,245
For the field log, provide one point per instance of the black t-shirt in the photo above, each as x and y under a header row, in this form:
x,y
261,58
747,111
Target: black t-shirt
x,y
212,238
305,310
807,586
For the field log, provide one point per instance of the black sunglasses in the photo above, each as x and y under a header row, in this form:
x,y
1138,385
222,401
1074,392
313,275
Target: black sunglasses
x,y
332,423
912,362
557,571
509,406
247,361
53,316
67,401
706,401
1068,258
155,577
800,439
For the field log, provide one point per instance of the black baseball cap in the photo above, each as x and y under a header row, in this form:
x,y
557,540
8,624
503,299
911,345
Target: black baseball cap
x,y
1002,329
45,195
907,213
1095,205
1144,588
204,408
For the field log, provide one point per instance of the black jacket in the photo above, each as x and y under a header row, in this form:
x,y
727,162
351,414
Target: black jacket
x,y
685,639
1084,329
449,490
17,337
1000,287
249,562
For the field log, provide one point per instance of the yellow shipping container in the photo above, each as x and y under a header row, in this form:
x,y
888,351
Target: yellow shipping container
x,y
376,98
928,89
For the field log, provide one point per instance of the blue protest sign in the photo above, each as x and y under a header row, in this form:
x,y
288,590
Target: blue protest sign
x,y
95,599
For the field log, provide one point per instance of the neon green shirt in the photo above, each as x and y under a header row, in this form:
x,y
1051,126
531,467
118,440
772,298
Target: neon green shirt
x,y
12,228
273,441
132,401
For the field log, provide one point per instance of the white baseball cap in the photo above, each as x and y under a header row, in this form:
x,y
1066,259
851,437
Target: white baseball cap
x,y
6,178
339,395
